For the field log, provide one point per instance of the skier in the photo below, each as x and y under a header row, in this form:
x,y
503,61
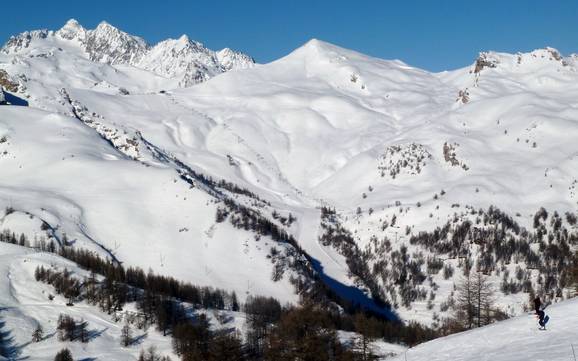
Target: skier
x,y
539,312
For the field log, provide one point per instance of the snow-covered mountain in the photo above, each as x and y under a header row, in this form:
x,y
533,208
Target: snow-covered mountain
x,y
421,174
185,60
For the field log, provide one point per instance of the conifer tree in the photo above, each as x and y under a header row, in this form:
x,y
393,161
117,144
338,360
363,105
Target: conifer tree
x,y
37,334
125,335
63,355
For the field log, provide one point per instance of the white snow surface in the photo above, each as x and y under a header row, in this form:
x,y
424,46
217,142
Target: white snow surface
x,y
516,339
307,130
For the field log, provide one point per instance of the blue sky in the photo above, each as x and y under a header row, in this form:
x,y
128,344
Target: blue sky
x,y
434,35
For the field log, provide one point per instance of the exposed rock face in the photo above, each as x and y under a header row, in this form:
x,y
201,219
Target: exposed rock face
x,y
23,40
183,59
107,44
484,61
72,30
7,83
231,59
554,53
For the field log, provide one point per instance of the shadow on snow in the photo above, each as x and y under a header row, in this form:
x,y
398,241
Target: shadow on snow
x,y
354,294
8,348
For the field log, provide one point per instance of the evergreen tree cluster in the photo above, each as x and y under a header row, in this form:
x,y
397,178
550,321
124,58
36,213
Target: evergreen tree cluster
x,y
274,332
307,282
501,241
68,329
63,355
149,282
10,237
62,282
336,236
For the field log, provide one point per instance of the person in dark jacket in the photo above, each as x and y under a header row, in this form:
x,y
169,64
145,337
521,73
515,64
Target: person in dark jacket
x,y
539,311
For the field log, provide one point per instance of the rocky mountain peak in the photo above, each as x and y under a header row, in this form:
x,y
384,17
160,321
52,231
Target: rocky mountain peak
x,y
22,41
186,60
108,44
72,30
230,59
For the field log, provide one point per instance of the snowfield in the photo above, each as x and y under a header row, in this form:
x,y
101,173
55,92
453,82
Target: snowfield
x,y
77,181
110,150
511,340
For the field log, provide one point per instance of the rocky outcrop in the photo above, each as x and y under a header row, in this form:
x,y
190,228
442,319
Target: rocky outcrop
x,y
484,61
7,83
23,40
230,59
72,30
107,44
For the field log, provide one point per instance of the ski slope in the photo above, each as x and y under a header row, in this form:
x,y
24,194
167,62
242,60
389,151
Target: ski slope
x,y
515,339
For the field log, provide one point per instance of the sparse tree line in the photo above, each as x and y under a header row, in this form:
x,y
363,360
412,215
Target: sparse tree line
x,y
336,236
306,281
399,157
500,241
10,237
286,221
472,303
132,280
233,188
69,329
482,241
306,332
189,175
402,279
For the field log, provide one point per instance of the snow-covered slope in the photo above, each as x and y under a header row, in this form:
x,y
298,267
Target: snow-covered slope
x,y
394,149
26,304
65,174
511,340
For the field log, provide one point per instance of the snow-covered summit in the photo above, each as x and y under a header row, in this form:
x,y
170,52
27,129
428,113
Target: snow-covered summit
x,y
22,41
72,30
182,58
185,60
108,44
231,59
521,61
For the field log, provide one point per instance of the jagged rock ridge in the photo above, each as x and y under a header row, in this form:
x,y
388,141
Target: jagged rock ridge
x,y
184,59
